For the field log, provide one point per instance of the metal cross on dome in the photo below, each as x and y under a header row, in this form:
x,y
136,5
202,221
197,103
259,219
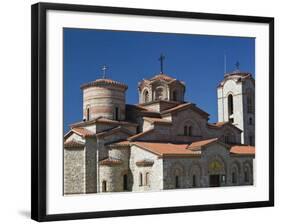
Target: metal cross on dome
x,y
161,59
237,64
104,68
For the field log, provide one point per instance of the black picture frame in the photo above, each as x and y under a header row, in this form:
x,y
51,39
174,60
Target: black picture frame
x,y
38,116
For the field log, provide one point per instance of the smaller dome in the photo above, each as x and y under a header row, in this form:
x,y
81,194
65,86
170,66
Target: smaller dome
x,y
104,83
162,76
237,73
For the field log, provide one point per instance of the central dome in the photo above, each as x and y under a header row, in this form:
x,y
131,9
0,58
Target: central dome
x,y
161,87
162,76
104,83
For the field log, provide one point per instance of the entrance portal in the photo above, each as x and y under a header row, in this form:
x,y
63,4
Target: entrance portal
x,y
214,180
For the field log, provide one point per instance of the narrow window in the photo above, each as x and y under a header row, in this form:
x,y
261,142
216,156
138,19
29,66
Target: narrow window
x,y
246,175
104,188
194,181
185,131
250,121
234,177
125,182
140,179
251,140
116,113
226,139
250,101
190,130
230,104
175,97
147,179
177,182
88,114
146,96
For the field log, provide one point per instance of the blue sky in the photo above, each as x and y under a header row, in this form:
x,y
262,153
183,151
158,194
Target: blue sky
x,y
198,60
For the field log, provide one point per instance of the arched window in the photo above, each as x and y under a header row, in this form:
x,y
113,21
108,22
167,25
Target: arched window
x,y
246,174
147,179
116,113
185,131
125,182
104,187
88,114
250,101
194,180
140,179
230,104
177,184
175,95
159,94
190,130
146,96
234,177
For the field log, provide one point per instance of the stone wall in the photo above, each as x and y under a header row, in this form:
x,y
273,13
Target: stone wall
x,y
102,101
154,172
74,171
113,174
215,160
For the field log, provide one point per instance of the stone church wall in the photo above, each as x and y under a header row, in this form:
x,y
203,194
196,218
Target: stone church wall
x,y
155,171
74,171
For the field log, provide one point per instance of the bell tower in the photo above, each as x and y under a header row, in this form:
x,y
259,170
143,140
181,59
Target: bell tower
x,y
236,103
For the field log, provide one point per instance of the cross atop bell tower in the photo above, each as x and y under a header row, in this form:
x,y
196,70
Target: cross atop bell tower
x,y
104,68
161,59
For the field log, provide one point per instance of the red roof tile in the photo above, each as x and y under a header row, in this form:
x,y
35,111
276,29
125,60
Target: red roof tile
x,y
83,132
73,144
110,161
243,150
104,82
167,149
161,77
102,120
184,106
134,137
145,162
221,124
157,120
198,144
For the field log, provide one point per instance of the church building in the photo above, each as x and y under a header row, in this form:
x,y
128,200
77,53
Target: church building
x,y
163,141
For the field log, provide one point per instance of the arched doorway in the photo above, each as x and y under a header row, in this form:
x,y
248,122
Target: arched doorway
x,y
125,182
216,170
104,187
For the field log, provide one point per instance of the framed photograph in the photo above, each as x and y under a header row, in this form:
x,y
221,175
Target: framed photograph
x,y
139,111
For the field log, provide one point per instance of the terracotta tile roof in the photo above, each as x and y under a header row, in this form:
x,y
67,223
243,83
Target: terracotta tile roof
x,y
221,124
114,130
134,137
120,144
102,120
110,161
185,106
157,120
161,77
198,144
73,144
237,76
104,82
83,132
243,150
145,162
167,149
